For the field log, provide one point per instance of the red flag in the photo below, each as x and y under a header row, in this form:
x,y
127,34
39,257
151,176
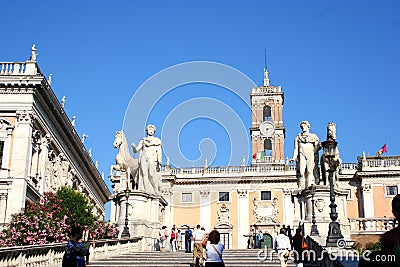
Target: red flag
x,y
254,155
382,150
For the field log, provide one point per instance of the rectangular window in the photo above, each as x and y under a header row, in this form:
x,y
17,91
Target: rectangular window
x,y
391,190
266,195
1,152
187,198
223,196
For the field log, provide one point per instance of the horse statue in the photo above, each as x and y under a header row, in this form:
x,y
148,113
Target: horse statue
x,y
125,162
337,161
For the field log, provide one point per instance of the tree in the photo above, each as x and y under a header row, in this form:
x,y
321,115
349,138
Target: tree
x,y
76,206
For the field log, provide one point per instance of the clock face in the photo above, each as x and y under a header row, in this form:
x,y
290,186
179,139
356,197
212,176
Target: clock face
x,y
267,129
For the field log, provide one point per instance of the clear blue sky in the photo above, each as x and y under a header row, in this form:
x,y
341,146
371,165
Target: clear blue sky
x,y
335,60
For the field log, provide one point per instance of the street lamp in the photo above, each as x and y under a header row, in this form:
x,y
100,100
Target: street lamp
x,y
334,233
314,229
125,232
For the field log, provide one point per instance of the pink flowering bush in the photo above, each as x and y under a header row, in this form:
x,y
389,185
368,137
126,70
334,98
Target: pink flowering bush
x,y
39,223
49,220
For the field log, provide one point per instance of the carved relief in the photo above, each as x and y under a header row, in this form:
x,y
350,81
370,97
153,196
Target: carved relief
x,y
265,214
320,204
223,214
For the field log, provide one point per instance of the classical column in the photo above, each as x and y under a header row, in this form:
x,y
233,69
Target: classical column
x,y
368,201
243,218
205,209
288,207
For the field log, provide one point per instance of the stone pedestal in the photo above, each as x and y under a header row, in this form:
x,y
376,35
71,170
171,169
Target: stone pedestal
x,y
146,216
303,210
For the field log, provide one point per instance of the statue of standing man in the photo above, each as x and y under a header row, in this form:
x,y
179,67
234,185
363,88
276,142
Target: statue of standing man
x,y
306,147
150,161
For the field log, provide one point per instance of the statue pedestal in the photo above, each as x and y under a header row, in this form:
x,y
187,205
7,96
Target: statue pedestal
x,y
303,210
146,215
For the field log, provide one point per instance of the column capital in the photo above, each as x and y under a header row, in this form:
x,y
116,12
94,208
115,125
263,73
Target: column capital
x,y
366,187
286,191
25,116
204,193
242,193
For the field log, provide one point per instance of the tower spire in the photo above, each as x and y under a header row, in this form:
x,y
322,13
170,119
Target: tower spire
x,y
266,79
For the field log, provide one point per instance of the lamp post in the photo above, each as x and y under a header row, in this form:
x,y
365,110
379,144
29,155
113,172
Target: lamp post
x,y
125,232
334,233
314,229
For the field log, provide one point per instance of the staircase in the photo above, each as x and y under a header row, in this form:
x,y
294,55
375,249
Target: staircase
x,y
232,258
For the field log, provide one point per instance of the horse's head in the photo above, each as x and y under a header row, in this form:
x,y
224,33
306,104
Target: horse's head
x,y
118,139
331,131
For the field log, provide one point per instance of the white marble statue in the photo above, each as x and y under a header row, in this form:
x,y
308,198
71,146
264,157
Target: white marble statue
x,y
306,147
337,161
223,214
150,160
33,53
125,162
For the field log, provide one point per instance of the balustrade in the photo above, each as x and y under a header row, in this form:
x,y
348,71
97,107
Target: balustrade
x,y
371,225
52,254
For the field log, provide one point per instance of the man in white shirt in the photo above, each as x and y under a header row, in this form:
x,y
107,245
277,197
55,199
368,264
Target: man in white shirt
x,y
282,246
198,252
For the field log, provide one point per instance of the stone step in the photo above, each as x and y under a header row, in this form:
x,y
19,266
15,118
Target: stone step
x,y
232,258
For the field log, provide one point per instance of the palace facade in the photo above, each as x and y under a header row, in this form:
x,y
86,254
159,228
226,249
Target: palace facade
x,y
39,148
266,194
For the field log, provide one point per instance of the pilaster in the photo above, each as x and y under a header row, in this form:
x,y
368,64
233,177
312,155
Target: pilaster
x,y
205,209
243,218
368,201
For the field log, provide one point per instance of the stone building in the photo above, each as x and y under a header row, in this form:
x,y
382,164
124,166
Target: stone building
x,y
39,148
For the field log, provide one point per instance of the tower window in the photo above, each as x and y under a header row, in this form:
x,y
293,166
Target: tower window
x,y
391,190
187,198
267,113
268,147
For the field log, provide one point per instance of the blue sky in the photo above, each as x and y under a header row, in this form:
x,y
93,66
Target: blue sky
x,y
335,60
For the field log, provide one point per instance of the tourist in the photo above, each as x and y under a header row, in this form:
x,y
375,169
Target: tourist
x,y
299,246
74,255
87,240
163,238
178,240
198,237
213,250
188,240
289,234
391,240
172,240
282,246
254,236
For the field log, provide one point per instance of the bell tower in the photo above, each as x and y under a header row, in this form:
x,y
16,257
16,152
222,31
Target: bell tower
x,y
267,129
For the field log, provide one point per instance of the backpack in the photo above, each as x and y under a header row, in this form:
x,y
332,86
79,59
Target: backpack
x,y
187,234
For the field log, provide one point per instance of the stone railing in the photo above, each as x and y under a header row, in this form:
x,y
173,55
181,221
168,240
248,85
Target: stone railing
x,y
18,68
371,225
51,254
270,167
320,255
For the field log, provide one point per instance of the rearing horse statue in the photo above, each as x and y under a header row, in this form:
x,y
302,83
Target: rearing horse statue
x,y
124,161
331,135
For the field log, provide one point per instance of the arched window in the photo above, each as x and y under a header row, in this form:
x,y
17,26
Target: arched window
x,y
268,147
267,113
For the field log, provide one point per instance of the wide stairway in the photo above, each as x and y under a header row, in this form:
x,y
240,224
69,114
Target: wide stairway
x,y
232,258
